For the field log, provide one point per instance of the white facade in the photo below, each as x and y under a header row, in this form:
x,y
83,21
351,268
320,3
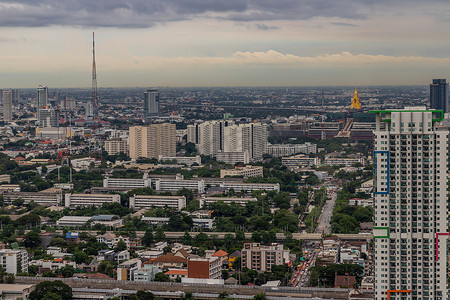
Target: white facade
x,y
281,150
184,160
410,204
83,163
233,158
14,261
174,185
74,200
148,201
41,198
300,160
227,200
247,171
248,187
216,136
72,221
343,161
125,271
127,182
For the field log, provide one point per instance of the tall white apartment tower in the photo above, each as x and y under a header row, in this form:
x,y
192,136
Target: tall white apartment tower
x,y
410,205
7,105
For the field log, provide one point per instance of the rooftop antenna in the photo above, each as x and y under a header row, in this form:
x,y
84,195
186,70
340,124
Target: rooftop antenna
x,y
94,96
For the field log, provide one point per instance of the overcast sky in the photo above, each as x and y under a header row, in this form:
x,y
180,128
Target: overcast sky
x,y
223,43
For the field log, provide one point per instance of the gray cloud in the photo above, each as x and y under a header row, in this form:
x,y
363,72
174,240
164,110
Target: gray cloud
x,y
260,26
343,24
146,13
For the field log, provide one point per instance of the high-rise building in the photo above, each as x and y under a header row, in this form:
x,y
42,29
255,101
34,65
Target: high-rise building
x,y
7,105
439,94
151,103
410,204
48,117
153,140
42,98
222,136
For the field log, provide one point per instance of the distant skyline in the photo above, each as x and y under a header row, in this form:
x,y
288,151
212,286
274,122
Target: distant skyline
x,y
149,43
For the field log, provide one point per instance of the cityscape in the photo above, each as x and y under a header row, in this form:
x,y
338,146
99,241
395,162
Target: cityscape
x,y
256,188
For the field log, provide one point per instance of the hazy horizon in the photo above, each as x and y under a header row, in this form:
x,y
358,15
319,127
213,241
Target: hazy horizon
x,y
207,43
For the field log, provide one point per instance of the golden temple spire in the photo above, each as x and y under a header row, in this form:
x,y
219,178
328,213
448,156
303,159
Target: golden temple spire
x,y
355,101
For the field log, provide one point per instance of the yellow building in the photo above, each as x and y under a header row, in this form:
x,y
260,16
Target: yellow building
x,y
355,101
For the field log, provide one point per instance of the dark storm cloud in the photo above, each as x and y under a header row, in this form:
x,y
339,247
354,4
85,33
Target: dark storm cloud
x,y
146,13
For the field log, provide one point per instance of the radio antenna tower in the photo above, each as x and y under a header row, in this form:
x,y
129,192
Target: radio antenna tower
x,y
94,96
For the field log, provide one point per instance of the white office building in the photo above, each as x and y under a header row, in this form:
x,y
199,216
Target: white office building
x,y
281,150
410,204
41,198
249,187
74,200
127,182
14,261
148,201
227,200
246,171
174,185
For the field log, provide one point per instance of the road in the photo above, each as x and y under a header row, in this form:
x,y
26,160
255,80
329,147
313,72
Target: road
x,y
325,217
300,275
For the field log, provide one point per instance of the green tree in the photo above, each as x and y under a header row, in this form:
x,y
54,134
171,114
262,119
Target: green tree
x,y
31,239
260,296
52,296
161,277
57,287
147,240
160,236
121,245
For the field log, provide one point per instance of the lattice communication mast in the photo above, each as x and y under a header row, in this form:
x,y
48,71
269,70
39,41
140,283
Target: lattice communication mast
x,y
94,96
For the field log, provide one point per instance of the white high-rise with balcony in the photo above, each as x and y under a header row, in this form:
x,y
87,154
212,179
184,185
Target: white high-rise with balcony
x,y
410,205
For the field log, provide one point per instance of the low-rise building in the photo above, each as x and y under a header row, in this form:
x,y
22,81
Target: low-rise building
x,y
5,178
299,160
227,200
146,273
233,158
361,202
176,273
14,261
281,150
74,200
148,201
342,161
107,220
125,270
73,221
196,222
169,261
249,187
247,171
111,240
173,185
41,198
183,160
261,258
207,268
132,183
84,163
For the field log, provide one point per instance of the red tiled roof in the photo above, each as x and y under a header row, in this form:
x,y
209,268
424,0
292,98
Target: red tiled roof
x,y
220,253
176,272
168,258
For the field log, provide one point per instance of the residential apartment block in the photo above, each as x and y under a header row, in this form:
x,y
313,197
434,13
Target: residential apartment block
x,y
116,146
410,204
206,268
127,182
281,150
153,140
41,198
300,160
261,258
14,261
